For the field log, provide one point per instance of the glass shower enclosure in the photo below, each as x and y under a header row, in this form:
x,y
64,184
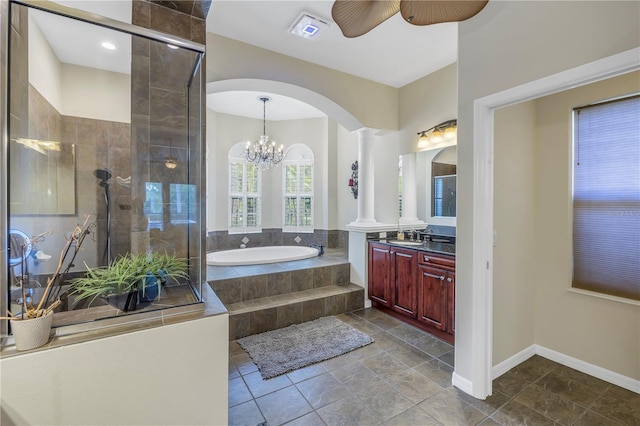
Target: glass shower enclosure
x,y
104,132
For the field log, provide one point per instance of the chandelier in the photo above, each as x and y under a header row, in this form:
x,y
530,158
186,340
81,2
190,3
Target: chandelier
x,y
263,152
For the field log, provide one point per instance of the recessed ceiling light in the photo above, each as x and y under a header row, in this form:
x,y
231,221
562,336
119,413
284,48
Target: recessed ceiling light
x,y
109,46
309,26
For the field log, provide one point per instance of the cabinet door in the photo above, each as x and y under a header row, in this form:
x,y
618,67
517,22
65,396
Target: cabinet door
x,y
432,297
451,302
379,274
403,284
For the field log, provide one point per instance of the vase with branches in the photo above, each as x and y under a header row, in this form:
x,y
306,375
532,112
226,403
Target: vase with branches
x,y
45,307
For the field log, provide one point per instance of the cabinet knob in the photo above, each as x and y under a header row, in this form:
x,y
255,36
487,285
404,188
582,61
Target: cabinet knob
x,y
425,259
449,280
442,278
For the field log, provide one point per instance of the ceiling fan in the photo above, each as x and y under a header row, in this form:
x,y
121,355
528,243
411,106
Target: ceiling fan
x,y
358,17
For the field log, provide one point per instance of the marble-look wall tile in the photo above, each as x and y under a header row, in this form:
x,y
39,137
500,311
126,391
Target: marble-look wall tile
x,y
322,276
313,309
287,315
263,320
198,30
169,21
279,283
301,279
183,6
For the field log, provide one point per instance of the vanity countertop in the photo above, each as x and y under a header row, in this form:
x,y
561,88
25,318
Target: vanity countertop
x,y
429,246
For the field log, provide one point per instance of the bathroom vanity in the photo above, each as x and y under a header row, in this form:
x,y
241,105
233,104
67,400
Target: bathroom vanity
x,y
415,282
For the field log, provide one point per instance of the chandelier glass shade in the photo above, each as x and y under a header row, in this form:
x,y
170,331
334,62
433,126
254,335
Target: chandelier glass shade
x,y
263,152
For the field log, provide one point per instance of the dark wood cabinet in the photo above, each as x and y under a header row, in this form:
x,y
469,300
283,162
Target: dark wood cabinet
x,y
415,286
380,270
432,308
404,290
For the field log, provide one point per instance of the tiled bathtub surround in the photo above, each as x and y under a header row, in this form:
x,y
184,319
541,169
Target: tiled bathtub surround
x,y
404,378
266,297
222,240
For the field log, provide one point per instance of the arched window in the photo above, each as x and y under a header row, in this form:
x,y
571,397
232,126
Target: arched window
x,y
245,193
297,184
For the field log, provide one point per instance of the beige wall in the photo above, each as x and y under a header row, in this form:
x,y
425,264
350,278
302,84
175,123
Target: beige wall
x,y
514,280
98,94
164,375
508,44
425,103
596,330
228,59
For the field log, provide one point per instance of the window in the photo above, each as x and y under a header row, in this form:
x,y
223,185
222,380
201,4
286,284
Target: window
x,y
153,205
182,207
606,198
298,190
245,193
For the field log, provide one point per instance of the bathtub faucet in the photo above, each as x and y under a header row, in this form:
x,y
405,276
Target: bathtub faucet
x,y
320,248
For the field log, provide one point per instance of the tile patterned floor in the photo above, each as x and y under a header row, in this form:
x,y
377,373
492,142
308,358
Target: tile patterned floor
x,y
404,378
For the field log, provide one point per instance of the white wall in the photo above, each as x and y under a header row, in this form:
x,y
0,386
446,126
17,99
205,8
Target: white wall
x,y
223,131
506,45
175,374
76,90
347,154
45,70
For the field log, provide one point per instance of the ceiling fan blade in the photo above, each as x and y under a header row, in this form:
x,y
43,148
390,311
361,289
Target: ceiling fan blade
x,y
427,12
358,17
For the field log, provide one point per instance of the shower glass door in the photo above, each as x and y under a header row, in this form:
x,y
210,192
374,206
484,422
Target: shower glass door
x,y
104,129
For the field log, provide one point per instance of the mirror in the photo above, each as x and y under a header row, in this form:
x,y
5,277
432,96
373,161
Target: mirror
x,y
42,177
20,247
443,183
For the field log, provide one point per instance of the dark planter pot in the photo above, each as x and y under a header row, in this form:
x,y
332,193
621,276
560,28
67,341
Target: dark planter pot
x,y
136,299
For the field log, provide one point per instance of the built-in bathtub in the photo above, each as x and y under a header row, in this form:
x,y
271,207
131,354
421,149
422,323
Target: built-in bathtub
x,y
260,255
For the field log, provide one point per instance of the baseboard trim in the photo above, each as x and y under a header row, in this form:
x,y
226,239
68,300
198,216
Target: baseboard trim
x,y
568,361
506,365
590,369
461,383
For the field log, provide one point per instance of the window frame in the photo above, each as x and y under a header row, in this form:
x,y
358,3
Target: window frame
x,y
299,164
590,210
244,195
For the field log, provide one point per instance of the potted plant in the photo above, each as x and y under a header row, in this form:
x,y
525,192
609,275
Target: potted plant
x,y
31,327
130,279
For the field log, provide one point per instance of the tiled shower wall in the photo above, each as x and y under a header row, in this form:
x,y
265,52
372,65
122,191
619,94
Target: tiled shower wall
x,y
222,240
159,122
102,144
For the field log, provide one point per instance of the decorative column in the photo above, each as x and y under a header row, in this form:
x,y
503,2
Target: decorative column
x,y
366,186
409,191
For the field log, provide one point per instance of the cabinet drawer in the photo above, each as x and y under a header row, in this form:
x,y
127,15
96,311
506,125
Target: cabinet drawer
x,y
434,259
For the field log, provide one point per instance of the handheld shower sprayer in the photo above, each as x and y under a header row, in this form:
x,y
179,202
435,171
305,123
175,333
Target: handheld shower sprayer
x,y
104,175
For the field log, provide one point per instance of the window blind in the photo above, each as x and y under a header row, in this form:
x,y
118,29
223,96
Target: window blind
x,y
245,195
606,198
298,196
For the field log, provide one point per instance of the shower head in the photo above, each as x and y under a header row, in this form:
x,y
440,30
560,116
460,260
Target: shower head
x,y
102,174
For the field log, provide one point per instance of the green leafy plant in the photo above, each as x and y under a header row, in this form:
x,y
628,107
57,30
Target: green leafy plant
x,y
127,274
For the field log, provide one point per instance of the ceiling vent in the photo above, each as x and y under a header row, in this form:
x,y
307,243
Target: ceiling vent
x,y
309,26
